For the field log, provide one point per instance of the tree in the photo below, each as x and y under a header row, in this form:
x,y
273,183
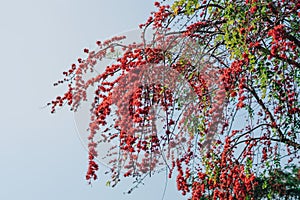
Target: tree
x,y
221,77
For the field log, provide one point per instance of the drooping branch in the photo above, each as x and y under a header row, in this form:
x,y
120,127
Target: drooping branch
x,y
289,61
282,138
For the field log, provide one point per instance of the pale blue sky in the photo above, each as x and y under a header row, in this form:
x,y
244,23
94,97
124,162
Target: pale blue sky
x,y
41,156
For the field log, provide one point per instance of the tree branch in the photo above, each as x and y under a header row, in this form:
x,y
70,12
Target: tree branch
x,y
273,121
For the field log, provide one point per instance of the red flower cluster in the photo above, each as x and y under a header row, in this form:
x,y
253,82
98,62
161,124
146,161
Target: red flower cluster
x,y
199,83
159,17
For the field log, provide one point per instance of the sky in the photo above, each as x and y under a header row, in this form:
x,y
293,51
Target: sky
x,y
41,156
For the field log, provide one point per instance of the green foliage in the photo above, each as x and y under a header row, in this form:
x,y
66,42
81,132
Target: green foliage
x,y
279,184
188,5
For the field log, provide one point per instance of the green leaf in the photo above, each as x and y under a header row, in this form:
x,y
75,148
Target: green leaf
x,y
265,184
107,183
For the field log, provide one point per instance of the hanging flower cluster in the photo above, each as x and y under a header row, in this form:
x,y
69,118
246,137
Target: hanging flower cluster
x,y
213,94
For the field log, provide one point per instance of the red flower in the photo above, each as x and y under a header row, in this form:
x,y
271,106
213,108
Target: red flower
x,y
253,9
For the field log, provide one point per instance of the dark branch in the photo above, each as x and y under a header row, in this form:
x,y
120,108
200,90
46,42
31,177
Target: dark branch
x,y
273,121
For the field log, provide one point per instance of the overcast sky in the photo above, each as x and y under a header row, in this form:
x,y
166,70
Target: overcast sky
x,y
41,154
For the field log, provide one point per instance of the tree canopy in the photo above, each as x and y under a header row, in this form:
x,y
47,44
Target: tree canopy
x,y
213,95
